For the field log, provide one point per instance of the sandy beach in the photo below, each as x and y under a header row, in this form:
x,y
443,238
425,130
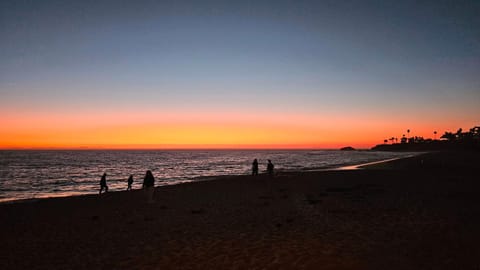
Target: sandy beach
x,y
415,213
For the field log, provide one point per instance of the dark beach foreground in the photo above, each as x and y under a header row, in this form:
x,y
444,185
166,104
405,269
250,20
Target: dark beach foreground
x,y
416,213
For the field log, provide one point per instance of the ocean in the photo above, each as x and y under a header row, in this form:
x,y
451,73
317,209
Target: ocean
x,y
29,174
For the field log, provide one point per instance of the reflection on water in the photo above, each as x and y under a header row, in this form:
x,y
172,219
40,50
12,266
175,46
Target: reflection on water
x,y
38,174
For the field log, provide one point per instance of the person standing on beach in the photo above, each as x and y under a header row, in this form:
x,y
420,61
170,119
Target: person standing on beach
x,y
255,167
270,168
149,185
103,183
130,182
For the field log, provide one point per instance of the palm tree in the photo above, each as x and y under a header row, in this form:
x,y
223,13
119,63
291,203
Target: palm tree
x,y
435,135
385,141
449,136
408,132
459,133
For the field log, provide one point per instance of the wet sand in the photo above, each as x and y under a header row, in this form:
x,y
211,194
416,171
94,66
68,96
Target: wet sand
x,y
416,213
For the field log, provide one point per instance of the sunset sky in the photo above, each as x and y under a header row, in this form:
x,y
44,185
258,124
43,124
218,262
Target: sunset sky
x,y
235,74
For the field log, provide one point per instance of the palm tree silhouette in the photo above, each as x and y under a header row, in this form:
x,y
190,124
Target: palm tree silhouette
x,y
435,135
408,132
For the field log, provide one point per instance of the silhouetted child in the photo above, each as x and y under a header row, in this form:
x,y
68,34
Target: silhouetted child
x,y
130,182
270,168
149,185
103,183
255,167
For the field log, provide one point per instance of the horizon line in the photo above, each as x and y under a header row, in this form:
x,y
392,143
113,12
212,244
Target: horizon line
x,y
333,146
180,148
166,149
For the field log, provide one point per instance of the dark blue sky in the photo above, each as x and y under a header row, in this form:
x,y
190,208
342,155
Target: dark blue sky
x,y
420,59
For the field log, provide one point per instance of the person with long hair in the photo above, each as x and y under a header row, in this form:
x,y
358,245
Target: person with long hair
x,y
149,185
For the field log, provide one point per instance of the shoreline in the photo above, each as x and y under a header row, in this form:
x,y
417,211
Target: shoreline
x,y
401,214
216,177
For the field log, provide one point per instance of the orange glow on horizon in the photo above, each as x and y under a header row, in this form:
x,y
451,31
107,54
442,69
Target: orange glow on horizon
x,y
202,131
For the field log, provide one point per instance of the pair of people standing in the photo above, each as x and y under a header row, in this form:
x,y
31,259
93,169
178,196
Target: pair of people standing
x,y
148,184
270,167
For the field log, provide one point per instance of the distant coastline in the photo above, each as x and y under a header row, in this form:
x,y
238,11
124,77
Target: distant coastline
x,y
449,141
428,146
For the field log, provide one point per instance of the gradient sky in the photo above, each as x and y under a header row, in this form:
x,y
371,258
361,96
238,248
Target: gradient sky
x,y
169,74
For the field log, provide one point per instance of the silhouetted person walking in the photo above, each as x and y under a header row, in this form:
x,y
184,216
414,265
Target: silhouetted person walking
x,y
103,183
149,185
255,167
270,167
130,182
